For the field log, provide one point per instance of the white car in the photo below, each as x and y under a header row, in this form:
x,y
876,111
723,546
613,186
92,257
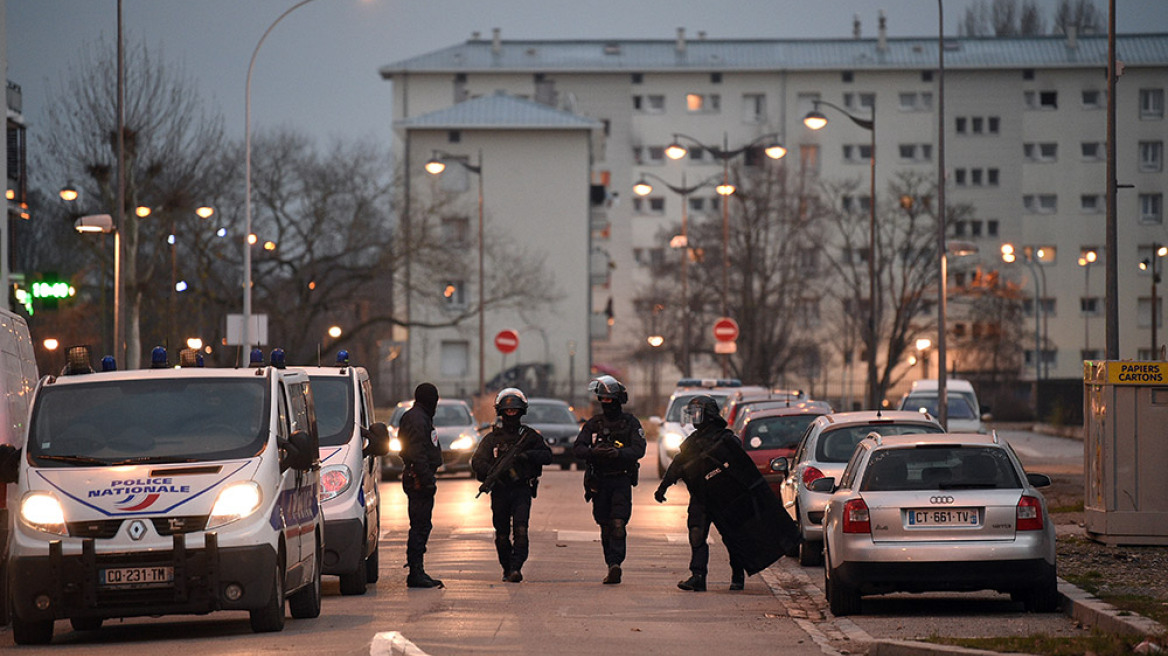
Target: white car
x,y
965,414
669,431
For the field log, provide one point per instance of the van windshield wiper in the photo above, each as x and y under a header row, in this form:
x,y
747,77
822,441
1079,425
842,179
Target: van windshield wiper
x,y
142,460
73,460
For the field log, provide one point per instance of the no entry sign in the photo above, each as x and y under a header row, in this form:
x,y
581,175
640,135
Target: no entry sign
x,y
507,341
725,329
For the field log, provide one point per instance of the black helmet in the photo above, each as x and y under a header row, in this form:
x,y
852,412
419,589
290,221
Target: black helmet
x,y
511,398
700,409
607,387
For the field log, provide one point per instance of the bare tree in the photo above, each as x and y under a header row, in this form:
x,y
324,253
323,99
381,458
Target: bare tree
x,y
1083,15
1001,18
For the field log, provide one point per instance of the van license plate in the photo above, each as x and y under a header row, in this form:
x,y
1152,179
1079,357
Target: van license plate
x,y
136,576
918,517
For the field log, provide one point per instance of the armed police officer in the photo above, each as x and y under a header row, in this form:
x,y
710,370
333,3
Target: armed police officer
x,y
509,461
422,456
611,443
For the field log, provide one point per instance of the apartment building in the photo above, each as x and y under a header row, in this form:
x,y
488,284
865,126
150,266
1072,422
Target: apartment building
x,y
1025,137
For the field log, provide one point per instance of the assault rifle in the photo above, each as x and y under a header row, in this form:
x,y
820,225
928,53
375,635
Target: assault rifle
x,y
504,464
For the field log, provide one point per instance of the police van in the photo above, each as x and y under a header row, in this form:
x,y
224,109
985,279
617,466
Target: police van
x,y
351,443
18,376
166,491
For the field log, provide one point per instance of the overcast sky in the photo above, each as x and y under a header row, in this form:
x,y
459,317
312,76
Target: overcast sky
x,y
317,70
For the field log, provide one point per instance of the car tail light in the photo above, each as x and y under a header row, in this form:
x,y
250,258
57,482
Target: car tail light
x,y
810,474
856,517
1029,514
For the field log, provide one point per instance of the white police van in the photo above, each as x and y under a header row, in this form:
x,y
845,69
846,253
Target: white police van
x,y
351,442
166,491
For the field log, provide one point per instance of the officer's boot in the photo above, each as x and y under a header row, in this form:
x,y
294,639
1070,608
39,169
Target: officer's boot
x,y
418,578
695,583
737,579
614,575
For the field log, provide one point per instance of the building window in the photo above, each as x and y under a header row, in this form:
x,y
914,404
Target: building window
x,y
1144,313
1040,152
859,100
975,177
1089,306
959,177
807,260
809,157
715,78
753,108
912,101
708,103
993,124
456,230
808,312
1040,203
916,152
1151,103
1152,208
959,124
1151,156
1092,99
1091,203
847,77
638,78
454,358
1092,151
992,176
975,228
651,104
927,76
1040,99
1028,74
697,204
857,153
992,228
454,294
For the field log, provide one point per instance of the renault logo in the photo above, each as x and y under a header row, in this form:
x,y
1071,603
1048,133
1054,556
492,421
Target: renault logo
x,y
137,529
941,499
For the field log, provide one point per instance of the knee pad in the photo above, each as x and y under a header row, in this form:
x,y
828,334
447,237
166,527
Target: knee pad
x,y
618,529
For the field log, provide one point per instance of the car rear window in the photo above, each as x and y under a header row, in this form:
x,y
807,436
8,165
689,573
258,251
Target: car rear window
x,y
837,445
959,408
947,467
775,432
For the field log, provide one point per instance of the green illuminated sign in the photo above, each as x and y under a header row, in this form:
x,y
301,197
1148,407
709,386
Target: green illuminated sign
x,y
53,290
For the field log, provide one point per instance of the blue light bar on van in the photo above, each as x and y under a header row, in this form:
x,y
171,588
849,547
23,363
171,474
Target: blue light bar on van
x,y
158,358
77,360
342,358
257,358
278,360
108,363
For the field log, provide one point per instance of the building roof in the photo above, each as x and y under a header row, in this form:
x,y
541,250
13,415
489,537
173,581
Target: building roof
x,y
636,55
498,112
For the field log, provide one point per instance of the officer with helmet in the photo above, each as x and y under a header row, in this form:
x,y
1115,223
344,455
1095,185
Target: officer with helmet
x,y
509,461
611,444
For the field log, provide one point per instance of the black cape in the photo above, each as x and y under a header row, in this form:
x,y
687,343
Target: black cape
x,y
755,528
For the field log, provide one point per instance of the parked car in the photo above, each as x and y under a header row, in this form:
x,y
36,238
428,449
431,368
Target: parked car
x,y
741,399
965,415
951,512
747,407
669,431
457,435
773,433
557,422
824,450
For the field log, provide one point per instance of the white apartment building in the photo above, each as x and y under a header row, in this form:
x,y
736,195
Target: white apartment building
x,y
1025,137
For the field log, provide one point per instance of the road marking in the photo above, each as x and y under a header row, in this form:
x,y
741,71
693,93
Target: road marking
x,y
393,643
473,533
578,536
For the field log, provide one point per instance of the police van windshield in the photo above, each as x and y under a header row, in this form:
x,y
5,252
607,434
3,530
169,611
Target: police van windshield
x,y
156,420
333,398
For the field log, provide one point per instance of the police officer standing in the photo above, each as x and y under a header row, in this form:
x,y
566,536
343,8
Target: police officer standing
x,y
509,461
611,443
421,456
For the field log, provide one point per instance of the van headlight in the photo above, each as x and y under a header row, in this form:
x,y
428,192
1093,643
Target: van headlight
x,y
394,445
464,442
41,511
334,480
234,503
673,441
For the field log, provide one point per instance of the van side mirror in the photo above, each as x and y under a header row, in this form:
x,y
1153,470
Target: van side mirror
x,y
9,463
376,439
297,452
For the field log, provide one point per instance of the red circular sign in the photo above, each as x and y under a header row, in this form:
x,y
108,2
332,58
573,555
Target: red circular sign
x,y
507,341
726,329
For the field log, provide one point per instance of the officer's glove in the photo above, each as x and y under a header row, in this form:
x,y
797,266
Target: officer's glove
x,y
659,495
605,451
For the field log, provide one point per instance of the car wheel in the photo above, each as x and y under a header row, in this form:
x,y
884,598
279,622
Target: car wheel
x,y
1044,597
270,618
37,632
810,552
373,561
85,623
354,582
305,604
841,599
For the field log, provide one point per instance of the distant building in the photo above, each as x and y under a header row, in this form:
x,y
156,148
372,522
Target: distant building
x,y
1025,145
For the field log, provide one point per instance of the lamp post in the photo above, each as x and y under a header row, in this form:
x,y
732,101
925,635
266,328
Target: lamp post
x,y
681,241
942,249
104,223
1086,260
815,120
1009,255
435,166
773,149
247,238
1149,264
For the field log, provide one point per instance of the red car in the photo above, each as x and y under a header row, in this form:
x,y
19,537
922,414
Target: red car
x,y
769,433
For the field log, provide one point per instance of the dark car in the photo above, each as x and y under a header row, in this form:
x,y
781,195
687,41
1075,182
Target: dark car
x,y
457,435
557,422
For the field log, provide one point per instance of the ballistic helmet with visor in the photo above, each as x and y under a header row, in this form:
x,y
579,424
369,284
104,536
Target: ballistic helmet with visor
x,y
607,387
699,410
511,398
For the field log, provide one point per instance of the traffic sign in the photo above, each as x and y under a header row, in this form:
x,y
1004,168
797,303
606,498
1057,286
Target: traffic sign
x,y
507,341
725,329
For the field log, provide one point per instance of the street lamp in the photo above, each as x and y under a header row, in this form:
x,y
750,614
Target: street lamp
x,y
1149,264
248,239
436,165
104,223
1009,255
923,345
772,148
681,241
815,120
1086,260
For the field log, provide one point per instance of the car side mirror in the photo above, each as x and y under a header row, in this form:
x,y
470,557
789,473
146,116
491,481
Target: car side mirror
x,y
297,452
825,484
376,439
780,465
986,416
1037,480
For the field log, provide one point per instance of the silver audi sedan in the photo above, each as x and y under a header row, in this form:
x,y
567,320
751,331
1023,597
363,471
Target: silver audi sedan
x,y
952,512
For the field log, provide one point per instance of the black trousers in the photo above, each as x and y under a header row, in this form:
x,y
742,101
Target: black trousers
x,y
510,515
698,522
421,508
612,506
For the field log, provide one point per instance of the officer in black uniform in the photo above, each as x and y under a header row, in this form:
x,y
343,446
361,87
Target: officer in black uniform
x,y
703,413
511,478
611,444
421,456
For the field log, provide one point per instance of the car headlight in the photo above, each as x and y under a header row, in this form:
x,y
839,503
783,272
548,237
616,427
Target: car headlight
x,y
234,503
334,480
673,440
394,445
463,442
42,511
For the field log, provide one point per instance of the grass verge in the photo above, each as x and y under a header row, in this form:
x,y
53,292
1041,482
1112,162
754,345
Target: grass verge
x,y
1099,644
